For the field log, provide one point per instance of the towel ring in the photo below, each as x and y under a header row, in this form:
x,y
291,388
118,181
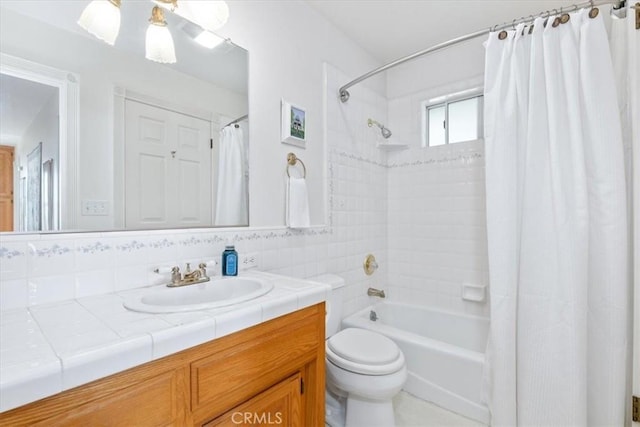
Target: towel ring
x,y
292,160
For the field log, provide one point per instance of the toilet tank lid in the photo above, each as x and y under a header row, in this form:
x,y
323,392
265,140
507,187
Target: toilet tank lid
x,y
330,279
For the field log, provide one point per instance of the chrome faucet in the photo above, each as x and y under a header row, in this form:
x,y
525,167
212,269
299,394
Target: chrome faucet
x,y
190,277
372,292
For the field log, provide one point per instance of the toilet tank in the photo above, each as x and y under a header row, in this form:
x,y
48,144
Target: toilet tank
x,y
334,303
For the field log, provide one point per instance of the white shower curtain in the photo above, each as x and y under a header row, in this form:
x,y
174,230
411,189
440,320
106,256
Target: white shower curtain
x,y
557,231
232,201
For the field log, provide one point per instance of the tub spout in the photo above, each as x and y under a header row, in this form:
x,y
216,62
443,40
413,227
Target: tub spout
x,y
372,292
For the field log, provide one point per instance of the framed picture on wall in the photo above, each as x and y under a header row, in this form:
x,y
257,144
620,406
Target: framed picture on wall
x,y
294,124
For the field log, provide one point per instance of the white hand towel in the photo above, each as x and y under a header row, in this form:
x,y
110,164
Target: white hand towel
x,y
297,199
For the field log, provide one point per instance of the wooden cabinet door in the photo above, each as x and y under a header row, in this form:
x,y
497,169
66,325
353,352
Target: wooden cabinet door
x,y
279,405
158,401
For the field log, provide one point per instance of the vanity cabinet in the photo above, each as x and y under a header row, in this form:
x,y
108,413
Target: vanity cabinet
x,y
269,374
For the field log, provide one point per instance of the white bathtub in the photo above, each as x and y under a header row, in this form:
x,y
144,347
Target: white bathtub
x,y
444,352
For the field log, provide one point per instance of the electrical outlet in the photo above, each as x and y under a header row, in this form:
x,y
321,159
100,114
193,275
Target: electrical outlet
x,y
95,207
247,261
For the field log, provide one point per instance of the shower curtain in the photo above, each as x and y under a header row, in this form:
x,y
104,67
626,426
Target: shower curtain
x,y
557,228
232,195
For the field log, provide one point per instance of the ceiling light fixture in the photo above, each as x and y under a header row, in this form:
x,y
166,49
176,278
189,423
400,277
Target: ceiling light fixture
x,y
101,18
208,39
159,43
202,37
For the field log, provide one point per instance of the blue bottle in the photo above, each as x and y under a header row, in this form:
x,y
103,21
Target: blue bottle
x,y
229,261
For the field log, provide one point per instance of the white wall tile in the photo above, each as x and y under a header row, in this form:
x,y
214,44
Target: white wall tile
x,y
13,294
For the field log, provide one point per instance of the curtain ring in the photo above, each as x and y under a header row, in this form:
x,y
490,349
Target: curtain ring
x,y
594,10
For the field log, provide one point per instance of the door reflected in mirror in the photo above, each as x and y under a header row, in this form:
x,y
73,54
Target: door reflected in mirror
x,y
150,145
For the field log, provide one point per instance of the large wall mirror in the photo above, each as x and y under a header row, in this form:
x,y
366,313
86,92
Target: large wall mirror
x,y
97,137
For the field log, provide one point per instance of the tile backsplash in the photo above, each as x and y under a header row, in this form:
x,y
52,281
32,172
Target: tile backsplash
x,y
38,269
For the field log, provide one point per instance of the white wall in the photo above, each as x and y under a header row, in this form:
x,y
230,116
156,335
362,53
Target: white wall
x,y
288,42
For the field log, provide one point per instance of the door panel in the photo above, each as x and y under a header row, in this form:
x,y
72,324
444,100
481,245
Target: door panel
x,y
167,168
6,188
152,189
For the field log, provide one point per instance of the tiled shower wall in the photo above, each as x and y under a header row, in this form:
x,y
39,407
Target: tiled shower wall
x,y
437,233
358,202
436,220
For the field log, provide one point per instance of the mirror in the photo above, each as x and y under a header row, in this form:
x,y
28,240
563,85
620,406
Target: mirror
x,y
136,144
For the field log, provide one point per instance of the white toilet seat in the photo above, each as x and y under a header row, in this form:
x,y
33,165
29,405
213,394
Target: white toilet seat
x,y
364,352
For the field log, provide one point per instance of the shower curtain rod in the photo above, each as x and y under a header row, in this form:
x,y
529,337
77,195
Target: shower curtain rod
x,y
239,119
344,93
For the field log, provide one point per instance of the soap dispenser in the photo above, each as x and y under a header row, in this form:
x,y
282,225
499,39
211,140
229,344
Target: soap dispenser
x,y
229,261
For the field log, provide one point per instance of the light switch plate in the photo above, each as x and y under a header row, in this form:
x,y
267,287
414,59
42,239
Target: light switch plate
x,y
95,207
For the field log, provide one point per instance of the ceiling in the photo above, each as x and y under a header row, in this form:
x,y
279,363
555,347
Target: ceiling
x,y
391,29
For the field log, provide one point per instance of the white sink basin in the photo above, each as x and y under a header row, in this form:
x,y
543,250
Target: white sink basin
x,y
218,292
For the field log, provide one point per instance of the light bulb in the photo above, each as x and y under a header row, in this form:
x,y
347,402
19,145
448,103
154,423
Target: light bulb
x,y
159,43
101,18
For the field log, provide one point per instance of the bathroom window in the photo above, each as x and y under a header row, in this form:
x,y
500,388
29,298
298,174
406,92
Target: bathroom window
x,y
451,119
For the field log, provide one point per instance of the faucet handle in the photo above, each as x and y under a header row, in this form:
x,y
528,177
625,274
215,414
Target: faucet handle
x,y
210,264
203,269
163,270
176,277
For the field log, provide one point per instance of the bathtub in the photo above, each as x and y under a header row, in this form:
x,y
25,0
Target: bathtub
x,y
444,352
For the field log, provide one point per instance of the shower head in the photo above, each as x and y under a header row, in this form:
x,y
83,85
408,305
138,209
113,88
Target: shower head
x,y
386,133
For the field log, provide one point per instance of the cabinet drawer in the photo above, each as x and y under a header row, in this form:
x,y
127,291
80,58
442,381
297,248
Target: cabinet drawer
x,y
278,405
265,356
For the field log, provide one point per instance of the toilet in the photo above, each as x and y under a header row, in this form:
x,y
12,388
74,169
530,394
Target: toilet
x,y
364,369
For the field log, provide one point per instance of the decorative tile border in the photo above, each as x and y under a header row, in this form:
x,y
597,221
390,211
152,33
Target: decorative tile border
x,y
9,253
94,248
131,246
462,157
55,250
358,158
438,161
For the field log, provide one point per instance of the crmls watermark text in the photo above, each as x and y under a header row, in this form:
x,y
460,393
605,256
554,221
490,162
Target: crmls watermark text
x,y
253,418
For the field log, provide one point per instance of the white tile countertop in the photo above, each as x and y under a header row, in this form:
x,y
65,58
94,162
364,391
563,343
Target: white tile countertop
x,y
50,348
